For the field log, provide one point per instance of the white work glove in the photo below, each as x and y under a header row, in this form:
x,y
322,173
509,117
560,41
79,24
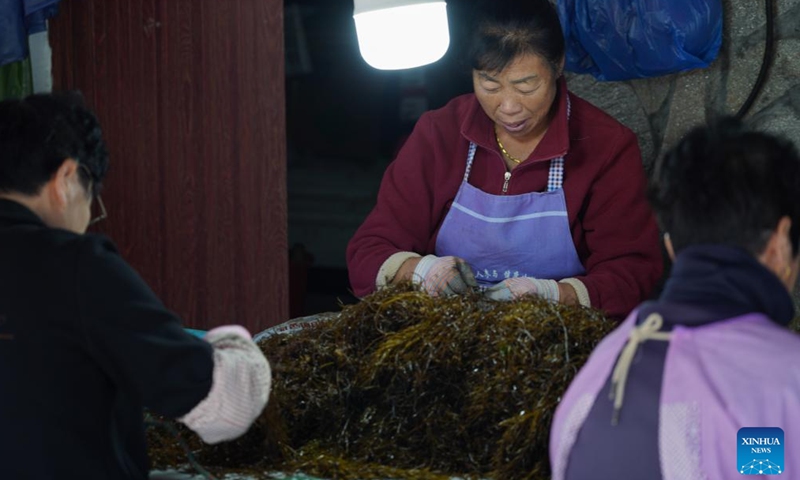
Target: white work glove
x,y
513,288
443,275
240,388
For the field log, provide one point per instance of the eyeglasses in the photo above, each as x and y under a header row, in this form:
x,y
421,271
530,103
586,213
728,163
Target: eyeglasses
x,y
102,214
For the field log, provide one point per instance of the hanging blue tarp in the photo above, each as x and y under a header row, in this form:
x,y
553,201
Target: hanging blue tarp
x,y
18,19
625,39
13,34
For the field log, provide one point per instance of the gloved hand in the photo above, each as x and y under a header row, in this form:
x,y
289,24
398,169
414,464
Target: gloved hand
x,y
443,275
240,388
513,288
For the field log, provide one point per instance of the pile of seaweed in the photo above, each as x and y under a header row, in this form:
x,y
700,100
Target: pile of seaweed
x,y
405,385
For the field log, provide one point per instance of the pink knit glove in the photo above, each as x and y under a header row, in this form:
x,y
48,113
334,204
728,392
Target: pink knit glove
x,y
513,288
240,387
443,275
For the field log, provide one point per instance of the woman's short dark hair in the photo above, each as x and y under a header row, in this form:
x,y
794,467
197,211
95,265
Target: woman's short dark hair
x,y
39,132
501,30
726,184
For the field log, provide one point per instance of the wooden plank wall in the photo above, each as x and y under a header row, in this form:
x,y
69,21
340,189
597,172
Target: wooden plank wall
x,y
191,97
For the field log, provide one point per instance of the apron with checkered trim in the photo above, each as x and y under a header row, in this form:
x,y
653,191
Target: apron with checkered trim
x,y
504,236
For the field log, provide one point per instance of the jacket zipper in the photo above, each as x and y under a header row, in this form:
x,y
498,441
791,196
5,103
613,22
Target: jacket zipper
x,y
505,183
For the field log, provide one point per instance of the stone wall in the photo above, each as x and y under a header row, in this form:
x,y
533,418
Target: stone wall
x,y
661,110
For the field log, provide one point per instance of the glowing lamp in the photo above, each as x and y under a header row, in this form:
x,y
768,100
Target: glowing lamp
x,y
398,34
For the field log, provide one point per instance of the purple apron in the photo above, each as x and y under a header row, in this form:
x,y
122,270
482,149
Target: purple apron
x,y
504,236
717,378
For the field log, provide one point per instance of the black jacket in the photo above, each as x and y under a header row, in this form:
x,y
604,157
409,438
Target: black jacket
x,y
84,346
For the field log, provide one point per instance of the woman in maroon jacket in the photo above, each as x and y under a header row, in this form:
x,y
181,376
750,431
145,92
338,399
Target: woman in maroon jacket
x,y
521,187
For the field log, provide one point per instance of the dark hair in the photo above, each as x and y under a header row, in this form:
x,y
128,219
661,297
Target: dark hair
x,y
501,30
39,132
726,184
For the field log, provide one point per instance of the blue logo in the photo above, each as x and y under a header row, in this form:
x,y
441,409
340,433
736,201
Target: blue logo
x,y
760,451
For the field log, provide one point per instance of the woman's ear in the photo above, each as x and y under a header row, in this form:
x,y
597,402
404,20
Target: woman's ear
x,y
560,70
777,254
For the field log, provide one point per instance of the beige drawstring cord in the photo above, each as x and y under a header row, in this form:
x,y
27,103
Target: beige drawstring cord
x,y
648,330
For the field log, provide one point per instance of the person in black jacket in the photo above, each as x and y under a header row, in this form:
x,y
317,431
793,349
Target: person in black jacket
x,y
85,345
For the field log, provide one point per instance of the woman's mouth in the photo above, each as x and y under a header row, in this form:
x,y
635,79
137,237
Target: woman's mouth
x,y
514,127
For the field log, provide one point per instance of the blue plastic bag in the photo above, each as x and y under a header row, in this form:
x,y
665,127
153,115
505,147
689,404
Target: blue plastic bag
x,y
625,39
13,36
18,19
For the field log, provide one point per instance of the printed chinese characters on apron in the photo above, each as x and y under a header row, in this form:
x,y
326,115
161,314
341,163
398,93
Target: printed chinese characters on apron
x,y
504,236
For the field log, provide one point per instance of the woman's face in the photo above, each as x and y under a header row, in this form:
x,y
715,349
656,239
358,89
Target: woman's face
x,y
518,98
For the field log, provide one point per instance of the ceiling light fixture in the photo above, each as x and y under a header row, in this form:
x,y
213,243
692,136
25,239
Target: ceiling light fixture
x,y
399,34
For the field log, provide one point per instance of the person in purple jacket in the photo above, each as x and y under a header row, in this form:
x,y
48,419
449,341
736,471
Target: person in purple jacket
x,y
666,393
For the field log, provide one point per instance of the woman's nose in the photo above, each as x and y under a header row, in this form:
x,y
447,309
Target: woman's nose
x,y
510,106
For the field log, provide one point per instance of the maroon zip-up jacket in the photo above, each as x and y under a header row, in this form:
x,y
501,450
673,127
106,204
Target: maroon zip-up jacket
x,y
613,228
